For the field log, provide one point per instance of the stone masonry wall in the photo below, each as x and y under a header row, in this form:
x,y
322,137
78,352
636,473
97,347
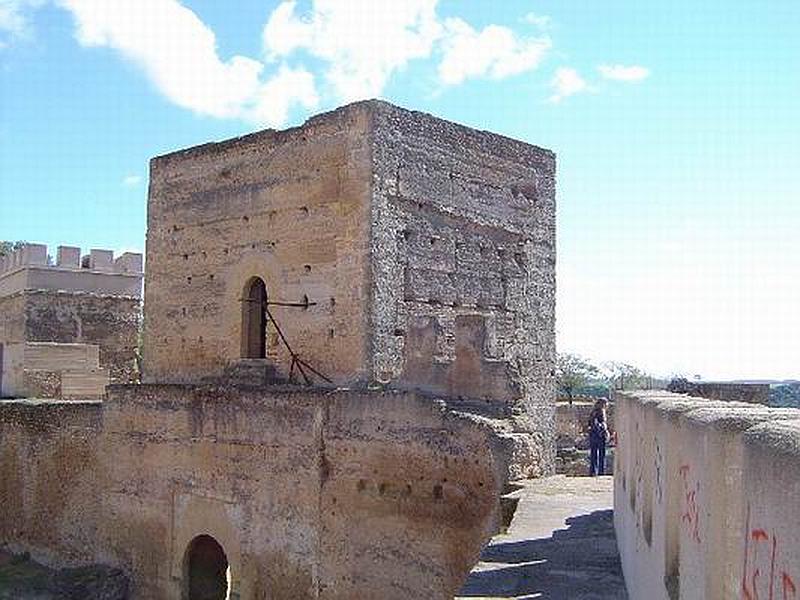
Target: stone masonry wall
x,y
312,494
111,322
288,206
463,266
12,318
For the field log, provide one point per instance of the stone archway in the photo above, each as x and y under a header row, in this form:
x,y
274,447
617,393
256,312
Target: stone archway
x,y
207,572
254,321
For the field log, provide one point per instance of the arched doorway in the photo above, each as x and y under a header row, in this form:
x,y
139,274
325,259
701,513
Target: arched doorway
x,y
207,572
254,322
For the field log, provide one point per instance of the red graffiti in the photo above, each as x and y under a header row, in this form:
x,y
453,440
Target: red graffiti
x,y
788,586
691,512
753,580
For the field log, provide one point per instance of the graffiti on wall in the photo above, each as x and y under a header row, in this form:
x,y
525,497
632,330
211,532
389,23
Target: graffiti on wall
x,y
765,575
690,513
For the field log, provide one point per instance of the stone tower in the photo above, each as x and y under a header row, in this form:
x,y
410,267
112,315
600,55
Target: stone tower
x,y
422,254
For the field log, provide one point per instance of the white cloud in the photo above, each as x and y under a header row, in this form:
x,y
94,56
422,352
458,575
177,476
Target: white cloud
x,y
178,53
567,82
131,180
362,42
15,19
540,21
623,72
495,51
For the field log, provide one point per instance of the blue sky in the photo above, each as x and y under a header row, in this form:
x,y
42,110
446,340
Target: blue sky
x,y
675,124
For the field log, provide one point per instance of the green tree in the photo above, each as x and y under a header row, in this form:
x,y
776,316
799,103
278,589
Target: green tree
x,y
8,247
622,376
573,373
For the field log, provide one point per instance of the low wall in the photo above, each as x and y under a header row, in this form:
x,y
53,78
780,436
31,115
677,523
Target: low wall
x,y
51,370
312,493
707,498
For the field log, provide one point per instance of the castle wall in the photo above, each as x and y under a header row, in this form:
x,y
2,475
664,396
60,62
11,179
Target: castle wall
x,y
707,497
312,494
110,322
94,301
290,207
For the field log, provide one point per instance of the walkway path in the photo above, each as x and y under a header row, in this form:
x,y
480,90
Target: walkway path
x,y
560,546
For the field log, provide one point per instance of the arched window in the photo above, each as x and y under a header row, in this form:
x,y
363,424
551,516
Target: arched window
x,y
254,321
207,573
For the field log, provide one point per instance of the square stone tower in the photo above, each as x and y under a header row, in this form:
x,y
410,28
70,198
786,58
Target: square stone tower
x,y
421,254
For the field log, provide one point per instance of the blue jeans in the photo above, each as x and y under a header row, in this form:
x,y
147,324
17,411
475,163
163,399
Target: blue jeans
x,y
597,457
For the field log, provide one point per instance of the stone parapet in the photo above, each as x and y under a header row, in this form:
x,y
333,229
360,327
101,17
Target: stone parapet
x,y
707,495
29,268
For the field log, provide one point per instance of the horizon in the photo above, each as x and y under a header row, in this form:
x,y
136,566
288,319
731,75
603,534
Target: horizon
x,y
674,129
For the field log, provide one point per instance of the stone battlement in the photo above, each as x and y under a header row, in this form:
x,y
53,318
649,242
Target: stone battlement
x,y
99,272
69,257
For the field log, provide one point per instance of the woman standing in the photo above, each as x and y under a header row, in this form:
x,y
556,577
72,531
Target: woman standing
x,y
598,438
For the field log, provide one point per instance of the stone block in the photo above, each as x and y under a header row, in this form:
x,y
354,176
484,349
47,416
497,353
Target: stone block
x,y
68,257
129,262
101,260
34,254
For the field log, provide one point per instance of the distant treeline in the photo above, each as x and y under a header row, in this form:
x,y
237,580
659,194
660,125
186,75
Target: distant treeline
x,y
785,395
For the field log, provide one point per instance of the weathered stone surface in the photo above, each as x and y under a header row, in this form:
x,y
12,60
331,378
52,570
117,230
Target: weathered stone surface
x,y
312,493
425,248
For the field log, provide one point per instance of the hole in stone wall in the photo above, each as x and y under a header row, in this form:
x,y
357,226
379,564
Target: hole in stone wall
x,y
304,210
211,277
246,219
333,302
185,257
331,333
307,268
437,492
189,279
305,302
206,570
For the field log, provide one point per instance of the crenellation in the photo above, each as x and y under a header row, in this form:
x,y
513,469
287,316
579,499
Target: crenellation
x,y
68,257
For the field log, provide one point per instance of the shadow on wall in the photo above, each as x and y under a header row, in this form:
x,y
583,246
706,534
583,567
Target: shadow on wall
x,y
578,562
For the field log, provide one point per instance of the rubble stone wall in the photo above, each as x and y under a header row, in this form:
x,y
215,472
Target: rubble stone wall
x,y
463,267
110,322
311,493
